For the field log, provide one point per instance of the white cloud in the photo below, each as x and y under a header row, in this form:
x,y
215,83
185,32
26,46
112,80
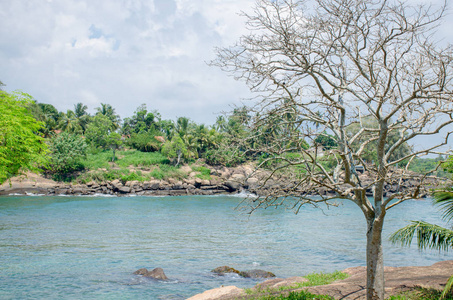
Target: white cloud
x,y
123,52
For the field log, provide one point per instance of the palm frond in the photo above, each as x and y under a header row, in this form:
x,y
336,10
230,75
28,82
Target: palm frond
x,y
447,288
429,236
445,200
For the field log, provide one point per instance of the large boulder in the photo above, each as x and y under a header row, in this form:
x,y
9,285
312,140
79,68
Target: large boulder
x,y
157,273
233,185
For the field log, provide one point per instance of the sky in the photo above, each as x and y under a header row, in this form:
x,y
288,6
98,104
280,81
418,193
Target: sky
x,y
126,53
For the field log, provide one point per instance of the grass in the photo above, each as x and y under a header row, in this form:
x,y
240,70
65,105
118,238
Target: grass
x,y
204,173
129,165
302,295
419,294
102,160
314,279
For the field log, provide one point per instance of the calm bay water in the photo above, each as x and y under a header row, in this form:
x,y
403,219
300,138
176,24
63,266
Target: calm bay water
x,y
88,247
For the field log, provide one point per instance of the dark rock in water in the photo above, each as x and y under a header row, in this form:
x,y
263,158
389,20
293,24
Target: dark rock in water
x,y
157,273
256,274
224,269
246,274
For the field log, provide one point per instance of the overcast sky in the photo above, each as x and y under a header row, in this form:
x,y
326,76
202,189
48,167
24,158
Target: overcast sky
x,y
125,53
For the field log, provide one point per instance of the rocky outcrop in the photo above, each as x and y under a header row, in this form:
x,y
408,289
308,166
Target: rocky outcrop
x,y
397,279
157,273
230,292
222,181
255,274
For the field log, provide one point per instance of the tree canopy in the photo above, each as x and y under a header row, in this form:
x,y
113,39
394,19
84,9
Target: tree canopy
x,y
21,146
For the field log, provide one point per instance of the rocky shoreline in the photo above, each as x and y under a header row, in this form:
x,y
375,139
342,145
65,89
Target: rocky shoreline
x,y
397,280
222,181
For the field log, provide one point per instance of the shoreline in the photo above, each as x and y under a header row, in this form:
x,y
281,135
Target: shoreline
x,y
223,181
397,280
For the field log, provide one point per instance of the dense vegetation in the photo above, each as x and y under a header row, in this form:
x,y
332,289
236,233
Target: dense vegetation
x,y
75,145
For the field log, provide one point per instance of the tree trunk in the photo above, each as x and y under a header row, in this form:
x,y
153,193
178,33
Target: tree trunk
x,y
375,259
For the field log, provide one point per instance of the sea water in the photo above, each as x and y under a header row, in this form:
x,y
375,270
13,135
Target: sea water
x,y
88,247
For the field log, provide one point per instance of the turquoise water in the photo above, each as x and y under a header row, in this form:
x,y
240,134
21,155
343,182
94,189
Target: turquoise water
x,y
88,247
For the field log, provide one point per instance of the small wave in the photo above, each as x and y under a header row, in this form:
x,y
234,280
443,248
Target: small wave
x,y
33,194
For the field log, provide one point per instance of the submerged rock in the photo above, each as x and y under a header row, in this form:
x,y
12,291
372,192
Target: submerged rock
x,y
157,273
224,269
257,274
246,274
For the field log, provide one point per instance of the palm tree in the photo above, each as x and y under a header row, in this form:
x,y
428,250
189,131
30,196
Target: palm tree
x,y
80,110
70,123
109,111
431,236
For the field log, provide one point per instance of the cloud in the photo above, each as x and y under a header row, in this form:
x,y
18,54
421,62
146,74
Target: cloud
x,y
123,52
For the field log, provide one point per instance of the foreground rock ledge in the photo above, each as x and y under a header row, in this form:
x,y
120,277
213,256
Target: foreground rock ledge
x,y
397,279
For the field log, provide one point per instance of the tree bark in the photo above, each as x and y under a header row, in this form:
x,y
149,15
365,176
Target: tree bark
x,y
375,259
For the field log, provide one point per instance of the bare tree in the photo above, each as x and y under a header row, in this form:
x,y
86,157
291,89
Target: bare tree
x,y
336,64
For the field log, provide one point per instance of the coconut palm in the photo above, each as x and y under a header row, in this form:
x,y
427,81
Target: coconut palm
x,y
109,111
70,123
431,236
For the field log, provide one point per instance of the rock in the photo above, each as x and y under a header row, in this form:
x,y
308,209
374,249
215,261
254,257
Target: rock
x,y
256,274
228,292
279,282
185,169
157,273
237,177
124,189
116,183
233,185
151,185
397,279
225,269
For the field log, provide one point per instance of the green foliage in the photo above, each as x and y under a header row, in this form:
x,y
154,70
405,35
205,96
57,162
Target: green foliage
x,y
133,176
114,142
430,236
125,159
98,130
315,279
175,150
47,114
108,111
327,141
67,154
301,295
420,293
141,122
425,165
98,160
205,173
141,159
224,156
21,148
144,141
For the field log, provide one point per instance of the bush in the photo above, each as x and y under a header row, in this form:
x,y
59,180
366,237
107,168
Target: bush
x,y
144,141
224,157
67,154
